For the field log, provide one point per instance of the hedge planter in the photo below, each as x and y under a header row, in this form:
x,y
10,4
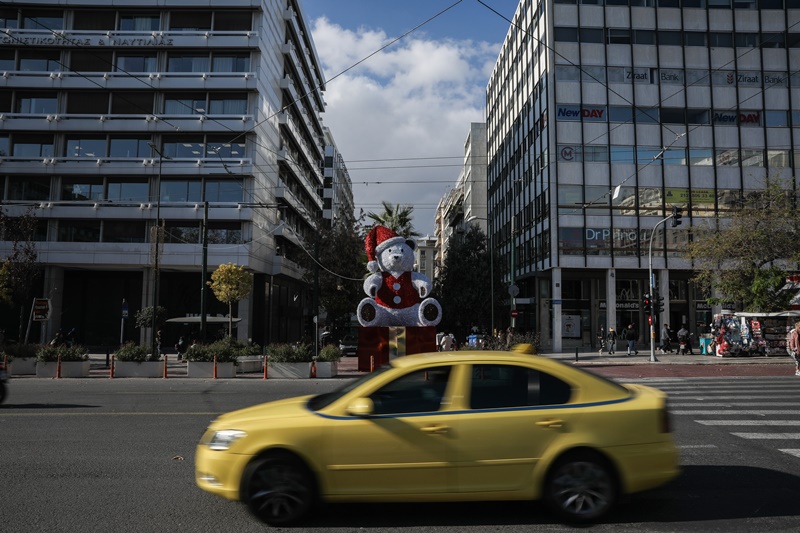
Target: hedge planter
x,y
69,369
202,369
290,370
136,369
22,366
327,369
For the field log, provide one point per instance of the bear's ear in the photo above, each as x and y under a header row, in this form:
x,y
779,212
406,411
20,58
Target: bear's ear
x,y
411,244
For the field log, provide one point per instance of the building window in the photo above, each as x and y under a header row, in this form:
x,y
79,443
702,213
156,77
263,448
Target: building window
x,y
647,115
9,18
698,116
232,21
79,230
565,35
773,40
133,190
694,38
185,104
37,103
227,104
644,37
776,119
85,147
669,38
591,35
622,154
84,19
746,40
779,158
187,63
136,63
39,61
651,201
124,231
87,102
231,63
622,114
674,156
727,157
697,77
671,115
182,233
32,146
4,147
41,19
567,73
190,20
229,190
717,39
94,61
619,36
181,191
701,156
224,233
752,158
139,21
132,103
125,147
28,188
82,189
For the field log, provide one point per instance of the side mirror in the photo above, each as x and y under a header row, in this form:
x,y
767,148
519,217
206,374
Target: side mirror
x,y
361,407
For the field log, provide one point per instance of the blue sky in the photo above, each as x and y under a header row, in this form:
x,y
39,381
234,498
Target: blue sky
x,y
400,119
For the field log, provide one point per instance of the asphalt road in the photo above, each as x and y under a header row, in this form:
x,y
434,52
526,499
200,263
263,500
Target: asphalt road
x,y
100,455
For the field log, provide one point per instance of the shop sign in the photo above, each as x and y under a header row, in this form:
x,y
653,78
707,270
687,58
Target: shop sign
x,y
748,78
670,76
629,306
752,117
574,112
641,75
702,306
682,196
725,119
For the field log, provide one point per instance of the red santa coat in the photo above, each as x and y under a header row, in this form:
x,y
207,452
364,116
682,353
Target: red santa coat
x,y
397,293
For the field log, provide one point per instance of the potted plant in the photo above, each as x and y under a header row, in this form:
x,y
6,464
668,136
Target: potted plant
x,y
22,359
74,361
131,361
289,360
328,361
201,359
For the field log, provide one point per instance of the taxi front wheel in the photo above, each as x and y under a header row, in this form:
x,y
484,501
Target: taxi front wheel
x,y
581,487
278,490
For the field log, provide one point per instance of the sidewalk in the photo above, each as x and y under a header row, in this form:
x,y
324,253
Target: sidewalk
x,y
348,366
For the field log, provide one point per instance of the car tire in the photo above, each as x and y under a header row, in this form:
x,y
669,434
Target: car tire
x,y
278,490
581,487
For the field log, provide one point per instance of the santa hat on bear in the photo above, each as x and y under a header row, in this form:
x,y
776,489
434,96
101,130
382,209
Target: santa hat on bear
x,y
378,239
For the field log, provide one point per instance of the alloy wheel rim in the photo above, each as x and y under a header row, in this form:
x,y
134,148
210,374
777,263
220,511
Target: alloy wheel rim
x,y
279,492
582,488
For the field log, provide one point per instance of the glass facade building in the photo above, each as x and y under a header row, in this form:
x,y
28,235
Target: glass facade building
x,y
604,115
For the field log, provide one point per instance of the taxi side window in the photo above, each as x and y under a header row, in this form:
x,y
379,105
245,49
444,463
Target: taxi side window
x,y
497,386
416,392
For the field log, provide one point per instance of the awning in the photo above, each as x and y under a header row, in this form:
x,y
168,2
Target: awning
x,y
196,320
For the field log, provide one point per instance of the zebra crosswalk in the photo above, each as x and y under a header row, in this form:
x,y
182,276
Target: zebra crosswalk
x,y
763,409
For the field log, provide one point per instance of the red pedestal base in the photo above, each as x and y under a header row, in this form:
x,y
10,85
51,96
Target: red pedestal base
x,y
385,343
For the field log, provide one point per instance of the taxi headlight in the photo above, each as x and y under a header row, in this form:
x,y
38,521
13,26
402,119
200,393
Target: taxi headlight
x,y
224,439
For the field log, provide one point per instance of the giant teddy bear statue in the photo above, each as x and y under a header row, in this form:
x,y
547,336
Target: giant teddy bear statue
x,y
397,296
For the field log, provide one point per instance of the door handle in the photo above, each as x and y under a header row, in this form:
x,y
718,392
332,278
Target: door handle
x,y
435,430
551,423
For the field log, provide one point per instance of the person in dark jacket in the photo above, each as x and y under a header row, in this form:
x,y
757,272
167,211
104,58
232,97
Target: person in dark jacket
x,y
630,336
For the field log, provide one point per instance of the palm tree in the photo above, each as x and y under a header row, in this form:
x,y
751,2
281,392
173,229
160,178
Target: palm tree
x,y
397,218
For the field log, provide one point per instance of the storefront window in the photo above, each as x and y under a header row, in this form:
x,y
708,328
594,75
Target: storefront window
x,y
651,201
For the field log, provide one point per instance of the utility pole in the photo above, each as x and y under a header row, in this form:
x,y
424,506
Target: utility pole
x,y
676,221
156,267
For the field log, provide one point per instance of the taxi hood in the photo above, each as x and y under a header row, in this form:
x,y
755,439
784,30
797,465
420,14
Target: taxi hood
x,y
288,408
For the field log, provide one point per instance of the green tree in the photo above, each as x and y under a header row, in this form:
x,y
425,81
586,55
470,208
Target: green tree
x,y
230,283
341,262
21,268
397,218
745,254
464,284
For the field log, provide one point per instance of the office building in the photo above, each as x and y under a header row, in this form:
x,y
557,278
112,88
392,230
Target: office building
x,y
120,118
603,116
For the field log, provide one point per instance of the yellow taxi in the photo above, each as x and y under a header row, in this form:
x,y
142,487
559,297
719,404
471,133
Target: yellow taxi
x,y
460,426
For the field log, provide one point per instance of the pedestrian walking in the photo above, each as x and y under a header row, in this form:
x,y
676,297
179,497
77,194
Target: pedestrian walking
x,y
612,341
630,336
601,339
158,343
666,347
793,347
446,344
180,347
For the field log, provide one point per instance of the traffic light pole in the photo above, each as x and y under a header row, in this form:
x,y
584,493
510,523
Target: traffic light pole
x,y
675,216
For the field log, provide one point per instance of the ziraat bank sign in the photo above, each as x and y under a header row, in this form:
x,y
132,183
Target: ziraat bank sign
x,y
585,113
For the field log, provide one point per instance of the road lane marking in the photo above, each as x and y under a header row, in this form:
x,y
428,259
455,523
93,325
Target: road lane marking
x,y
701,403
773,436
749,422
691,446
696,412
794,452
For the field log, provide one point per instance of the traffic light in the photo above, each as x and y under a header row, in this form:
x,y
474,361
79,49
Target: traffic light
x,y
676,216
660,305
648,304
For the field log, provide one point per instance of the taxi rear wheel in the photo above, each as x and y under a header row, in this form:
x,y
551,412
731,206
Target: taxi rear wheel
x,y
581,487
278,490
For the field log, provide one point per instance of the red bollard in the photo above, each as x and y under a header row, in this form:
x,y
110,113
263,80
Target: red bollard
x,y
5,362
165,366
372,363
58,368
266,365
111,372
313,368
215,367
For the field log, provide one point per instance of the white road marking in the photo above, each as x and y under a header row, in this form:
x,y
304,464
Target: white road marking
x,y
773,436
749,422
701,403
794,452
735,412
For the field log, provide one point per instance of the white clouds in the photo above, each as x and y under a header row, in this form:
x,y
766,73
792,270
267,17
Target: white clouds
x,y
415,99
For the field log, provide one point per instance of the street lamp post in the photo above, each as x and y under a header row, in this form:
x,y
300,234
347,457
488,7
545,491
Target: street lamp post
x,y
156,268
653,298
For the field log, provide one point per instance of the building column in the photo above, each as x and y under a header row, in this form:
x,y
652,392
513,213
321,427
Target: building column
x,y
54,290
611,299
556,301
244,330
148,279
